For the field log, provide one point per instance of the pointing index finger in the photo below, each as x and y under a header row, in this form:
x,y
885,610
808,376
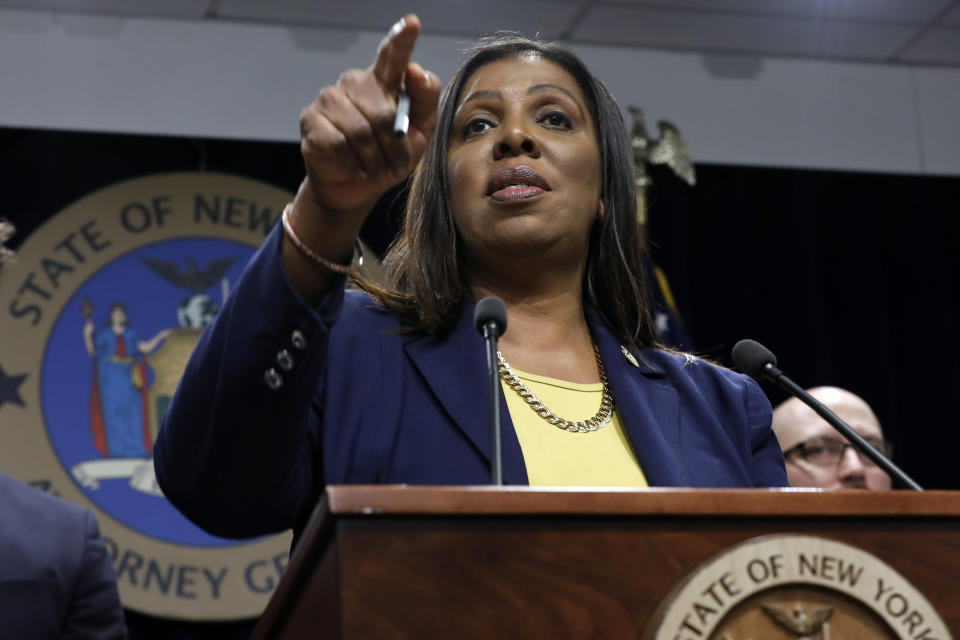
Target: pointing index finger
x,y
393,54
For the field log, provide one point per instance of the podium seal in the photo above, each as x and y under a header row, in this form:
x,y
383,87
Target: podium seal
x,y
793,587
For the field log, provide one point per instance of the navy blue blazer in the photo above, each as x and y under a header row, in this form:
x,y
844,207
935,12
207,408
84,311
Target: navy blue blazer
x,y
280,399
56,578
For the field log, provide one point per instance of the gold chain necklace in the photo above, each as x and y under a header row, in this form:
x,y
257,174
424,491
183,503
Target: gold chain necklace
x,y
590,424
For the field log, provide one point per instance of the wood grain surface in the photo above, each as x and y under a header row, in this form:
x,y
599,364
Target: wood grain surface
x,y
434,562
399,499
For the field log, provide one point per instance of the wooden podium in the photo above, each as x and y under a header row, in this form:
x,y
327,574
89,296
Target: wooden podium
x,y
520,562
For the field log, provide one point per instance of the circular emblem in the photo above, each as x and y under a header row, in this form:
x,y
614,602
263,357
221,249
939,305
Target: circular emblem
x,y
99,314
796,587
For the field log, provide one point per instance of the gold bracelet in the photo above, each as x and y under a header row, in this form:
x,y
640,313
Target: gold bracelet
x,y
348,269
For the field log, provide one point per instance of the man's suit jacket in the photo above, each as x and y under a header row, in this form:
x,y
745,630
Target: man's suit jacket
x,y
56,579
280,399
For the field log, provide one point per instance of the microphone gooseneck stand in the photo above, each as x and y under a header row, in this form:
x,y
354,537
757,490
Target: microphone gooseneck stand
x,y
490,318
759,362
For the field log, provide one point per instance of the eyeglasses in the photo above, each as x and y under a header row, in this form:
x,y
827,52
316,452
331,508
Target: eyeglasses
x,y
828,452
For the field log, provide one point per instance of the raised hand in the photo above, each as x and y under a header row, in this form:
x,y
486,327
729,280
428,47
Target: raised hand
x,y
349,150
351,155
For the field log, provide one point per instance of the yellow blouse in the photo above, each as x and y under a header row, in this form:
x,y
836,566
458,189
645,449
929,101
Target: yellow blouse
x,y
555,457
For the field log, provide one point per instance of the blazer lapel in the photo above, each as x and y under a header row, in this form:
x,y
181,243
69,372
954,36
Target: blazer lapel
x,y
648,407
455,368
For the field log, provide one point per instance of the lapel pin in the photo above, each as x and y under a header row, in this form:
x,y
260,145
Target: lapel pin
x,y
629,356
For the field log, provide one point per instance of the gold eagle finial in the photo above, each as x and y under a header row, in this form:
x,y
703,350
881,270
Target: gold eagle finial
x,y
669,149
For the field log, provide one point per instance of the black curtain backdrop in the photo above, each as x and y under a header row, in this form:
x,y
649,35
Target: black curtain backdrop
x,y
852,279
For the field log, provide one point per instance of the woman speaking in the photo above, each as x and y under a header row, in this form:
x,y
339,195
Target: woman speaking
x,y
522,188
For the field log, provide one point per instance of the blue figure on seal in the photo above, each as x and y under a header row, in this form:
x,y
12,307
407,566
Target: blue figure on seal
x,y
119,404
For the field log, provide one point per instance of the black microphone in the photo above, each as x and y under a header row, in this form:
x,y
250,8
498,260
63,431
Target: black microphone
x,y
490,318
758,362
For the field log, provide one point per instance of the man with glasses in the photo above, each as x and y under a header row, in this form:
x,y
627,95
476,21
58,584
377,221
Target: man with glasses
x,y
817,455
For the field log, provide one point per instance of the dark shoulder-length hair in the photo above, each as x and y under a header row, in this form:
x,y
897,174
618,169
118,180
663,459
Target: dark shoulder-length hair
x,y
426,283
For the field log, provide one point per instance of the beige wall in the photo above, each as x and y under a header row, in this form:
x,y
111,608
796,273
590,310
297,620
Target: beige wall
x,y
237,80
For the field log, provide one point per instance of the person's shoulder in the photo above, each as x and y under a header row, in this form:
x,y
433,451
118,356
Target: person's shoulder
x,y
29,503
697,370
735,396
361,312
20,494
359,306
41,528
359,302
681,361
364,332
55,565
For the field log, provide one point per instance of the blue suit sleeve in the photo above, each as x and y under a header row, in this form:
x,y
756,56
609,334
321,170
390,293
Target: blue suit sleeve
x,y
238,451
94,610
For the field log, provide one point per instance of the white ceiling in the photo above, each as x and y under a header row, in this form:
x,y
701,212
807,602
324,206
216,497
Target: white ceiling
x,y
925,32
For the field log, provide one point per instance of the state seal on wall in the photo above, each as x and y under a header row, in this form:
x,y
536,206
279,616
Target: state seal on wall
x,y
99,314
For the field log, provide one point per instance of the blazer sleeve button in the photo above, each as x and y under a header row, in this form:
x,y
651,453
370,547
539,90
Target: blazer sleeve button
x,y
298,339
285,360
272,378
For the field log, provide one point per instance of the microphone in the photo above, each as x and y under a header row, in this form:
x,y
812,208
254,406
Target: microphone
x,y
490,318
490,310
758,362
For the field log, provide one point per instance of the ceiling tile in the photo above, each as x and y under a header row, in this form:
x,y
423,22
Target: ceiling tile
x,y
457,17
907,11
144,8
740,33
939,45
